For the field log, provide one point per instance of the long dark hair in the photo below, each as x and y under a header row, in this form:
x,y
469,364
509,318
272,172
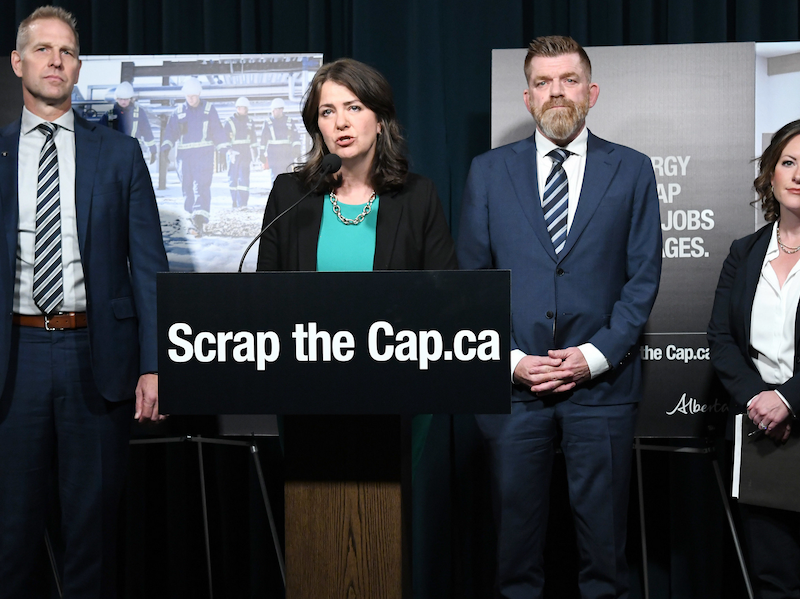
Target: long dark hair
x,y
390,166
766,169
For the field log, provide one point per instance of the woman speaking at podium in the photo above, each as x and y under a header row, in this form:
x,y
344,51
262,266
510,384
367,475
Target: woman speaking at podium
x,y
754,341
370,215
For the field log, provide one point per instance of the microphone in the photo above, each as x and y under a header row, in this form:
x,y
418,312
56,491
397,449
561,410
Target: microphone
x,y
330,164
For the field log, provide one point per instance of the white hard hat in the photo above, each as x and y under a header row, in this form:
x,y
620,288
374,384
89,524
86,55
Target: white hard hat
x,y
242,101
277,103
192,87
124,91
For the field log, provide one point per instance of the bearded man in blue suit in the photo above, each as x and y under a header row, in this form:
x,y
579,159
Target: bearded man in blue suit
x,y
576,220
77,316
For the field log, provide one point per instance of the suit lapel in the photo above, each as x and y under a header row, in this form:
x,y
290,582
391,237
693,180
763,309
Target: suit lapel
x,y
390,210
309,221
9,203
87,153
522,172
601,165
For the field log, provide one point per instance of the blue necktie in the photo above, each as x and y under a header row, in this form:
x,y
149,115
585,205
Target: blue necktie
x,y
48,286
556,200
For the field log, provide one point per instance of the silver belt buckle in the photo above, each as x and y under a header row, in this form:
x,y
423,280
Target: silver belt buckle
x,y
47,324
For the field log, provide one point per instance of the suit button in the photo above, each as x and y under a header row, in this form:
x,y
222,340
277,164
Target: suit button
x,y
560,272
549,314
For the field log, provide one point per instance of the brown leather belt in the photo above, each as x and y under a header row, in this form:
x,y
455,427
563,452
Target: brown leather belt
x,y
57,322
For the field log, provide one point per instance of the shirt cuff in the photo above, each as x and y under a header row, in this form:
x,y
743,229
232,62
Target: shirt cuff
x,y
516,357
594,359
788,407
782,398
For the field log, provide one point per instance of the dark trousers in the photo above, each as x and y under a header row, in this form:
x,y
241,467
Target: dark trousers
x,y
55,426
772,539
239,179
197,172
597,445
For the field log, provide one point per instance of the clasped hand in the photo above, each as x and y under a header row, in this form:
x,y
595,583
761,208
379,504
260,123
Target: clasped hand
x,y
559,371
771,415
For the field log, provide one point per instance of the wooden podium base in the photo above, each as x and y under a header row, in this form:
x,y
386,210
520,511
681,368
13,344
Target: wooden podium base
x,y
346,535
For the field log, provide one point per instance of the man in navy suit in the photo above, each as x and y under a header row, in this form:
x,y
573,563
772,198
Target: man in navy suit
x,y
576,220
77,316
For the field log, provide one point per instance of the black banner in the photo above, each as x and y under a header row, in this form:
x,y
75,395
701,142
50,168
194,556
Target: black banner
x,y
334,343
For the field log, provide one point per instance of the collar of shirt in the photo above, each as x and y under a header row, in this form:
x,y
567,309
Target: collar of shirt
x,y
30,121
772,248
577,146
767,272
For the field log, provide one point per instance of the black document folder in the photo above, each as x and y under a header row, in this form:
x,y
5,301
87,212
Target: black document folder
x,y
766,473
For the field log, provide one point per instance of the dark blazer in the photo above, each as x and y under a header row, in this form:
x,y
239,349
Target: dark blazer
x,y
729,328
411,234
602,286
121,248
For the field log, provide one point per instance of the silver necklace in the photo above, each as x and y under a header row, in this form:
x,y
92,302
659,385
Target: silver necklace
x,y
786,248
360,218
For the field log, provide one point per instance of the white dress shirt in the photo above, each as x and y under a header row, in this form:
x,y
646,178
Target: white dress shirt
x,y
574,166
31,141
772,320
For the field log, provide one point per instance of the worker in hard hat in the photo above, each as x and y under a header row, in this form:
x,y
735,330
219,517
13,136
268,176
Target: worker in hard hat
x,y
128,118
242,136
195,130
280,140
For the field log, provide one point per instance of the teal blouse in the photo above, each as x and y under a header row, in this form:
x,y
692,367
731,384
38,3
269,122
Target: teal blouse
x,y
346,247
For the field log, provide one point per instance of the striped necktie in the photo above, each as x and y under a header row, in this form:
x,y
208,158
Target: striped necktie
x,y
556,199
48,285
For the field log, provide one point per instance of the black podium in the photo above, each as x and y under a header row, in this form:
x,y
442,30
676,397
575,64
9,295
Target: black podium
x,y
348,358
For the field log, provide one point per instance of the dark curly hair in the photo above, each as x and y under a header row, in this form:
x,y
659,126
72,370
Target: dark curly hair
x,y
766,169
390,166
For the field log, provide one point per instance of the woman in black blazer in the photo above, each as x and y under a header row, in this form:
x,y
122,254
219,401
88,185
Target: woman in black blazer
x,y
753,337
349,111
372,214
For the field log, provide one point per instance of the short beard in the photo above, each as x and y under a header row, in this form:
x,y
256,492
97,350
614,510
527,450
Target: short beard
x,y
560,124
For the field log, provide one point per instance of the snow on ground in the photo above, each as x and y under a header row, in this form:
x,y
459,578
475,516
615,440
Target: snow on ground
x,y
228,232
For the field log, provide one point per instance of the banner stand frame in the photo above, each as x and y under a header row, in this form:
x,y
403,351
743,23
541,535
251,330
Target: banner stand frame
x,y
200,440
708,450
